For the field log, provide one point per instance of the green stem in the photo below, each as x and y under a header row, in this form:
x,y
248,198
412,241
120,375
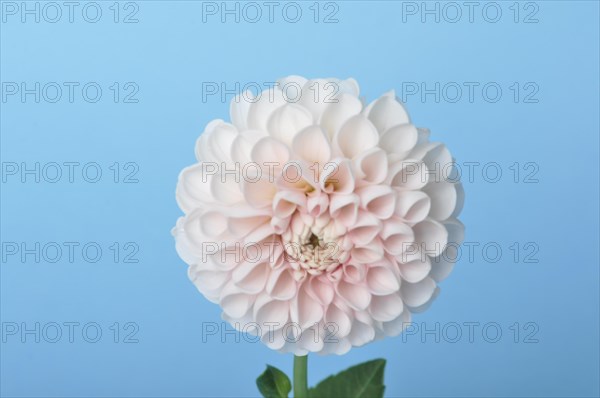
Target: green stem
x,y
300,376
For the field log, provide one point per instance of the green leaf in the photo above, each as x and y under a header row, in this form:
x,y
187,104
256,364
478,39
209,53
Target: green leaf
x,y
361,381
273,383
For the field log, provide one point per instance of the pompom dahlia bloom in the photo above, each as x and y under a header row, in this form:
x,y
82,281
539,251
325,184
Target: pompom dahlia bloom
x,y
318,224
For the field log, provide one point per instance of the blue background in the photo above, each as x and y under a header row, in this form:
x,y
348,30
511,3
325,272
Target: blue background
x,y
169,53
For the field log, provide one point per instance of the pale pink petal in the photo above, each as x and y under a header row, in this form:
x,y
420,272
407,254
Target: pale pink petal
x,y
281,284
365,229
396,235
337,177
371,166
250,277
379,200
338,322
242,226
270,312
382,281
305,310
317,204
386,308
354,273
235,303
356,296
368,253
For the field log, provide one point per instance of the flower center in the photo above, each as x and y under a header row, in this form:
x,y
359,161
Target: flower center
x,y
313,246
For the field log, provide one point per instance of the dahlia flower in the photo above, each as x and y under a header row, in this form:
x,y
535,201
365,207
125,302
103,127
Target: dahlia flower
x,y
316,222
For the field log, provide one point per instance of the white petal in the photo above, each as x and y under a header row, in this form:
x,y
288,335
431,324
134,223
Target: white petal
x,y
291,83
262,109
268,150
349,86
431,236
317,94
209,283
242,226
356,136
226,189
416,270
241,147
361,333
239,109
213,223
336,114
443,264
412,206
386,112
438,160
312,145
416,294
259,193
460,199
216,146
398,325
408,174
396,235
443,199
193,187
287,121
400,139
